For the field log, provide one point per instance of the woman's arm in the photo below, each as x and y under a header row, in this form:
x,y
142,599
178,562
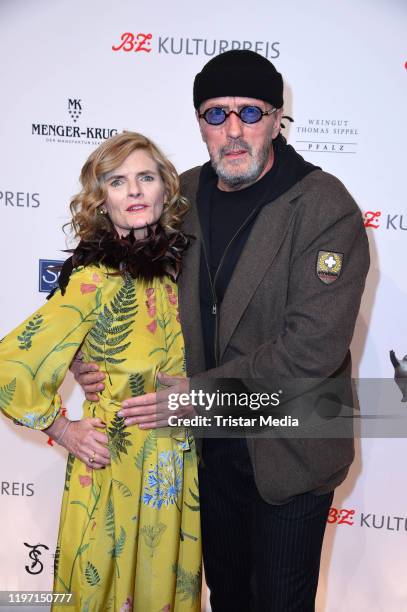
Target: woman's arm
x,y
35,357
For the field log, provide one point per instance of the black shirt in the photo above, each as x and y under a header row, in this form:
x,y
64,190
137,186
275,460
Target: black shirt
x,y
228,211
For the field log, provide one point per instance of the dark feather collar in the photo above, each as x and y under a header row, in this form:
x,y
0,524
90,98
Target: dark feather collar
x,y
156,255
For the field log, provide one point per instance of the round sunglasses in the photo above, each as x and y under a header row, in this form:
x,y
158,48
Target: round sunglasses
x,y
216,115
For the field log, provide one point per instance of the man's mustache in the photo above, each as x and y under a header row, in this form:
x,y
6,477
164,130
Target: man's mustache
x,y
236,145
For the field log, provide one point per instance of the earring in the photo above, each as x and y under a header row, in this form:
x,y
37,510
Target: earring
x,y
102,211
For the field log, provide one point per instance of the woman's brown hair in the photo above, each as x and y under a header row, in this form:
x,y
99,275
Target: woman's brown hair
x,y
85,206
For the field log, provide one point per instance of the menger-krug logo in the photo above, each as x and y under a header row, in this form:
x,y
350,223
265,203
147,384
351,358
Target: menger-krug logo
x,y
74,109
72,133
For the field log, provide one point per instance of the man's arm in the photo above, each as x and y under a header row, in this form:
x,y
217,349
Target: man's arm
x,y
320,316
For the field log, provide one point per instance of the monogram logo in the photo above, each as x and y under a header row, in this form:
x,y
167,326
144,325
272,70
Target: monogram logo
x,y
340,517
134,42
48,274
74,109
36,566
372,218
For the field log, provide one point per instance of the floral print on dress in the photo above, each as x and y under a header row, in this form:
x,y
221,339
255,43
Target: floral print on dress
x,y
85,481
172,298
88,288
164,481
150,302
152,327
151,309
127,606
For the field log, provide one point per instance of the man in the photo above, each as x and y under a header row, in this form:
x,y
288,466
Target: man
x,y
270,291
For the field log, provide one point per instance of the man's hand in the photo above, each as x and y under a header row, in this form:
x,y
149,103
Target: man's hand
x,y
89,377
151,410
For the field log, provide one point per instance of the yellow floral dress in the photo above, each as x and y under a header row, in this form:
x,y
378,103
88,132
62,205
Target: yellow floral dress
x,y
129,536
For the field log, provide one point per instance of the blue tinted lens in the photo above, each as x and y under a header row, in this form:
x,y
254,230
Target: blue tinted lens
x,y
215,115
250,114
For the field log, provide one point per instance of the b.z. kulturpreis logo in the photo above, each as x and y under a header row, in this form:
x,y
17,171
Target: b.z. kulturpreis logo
x,y
369,520
144,43
375,219
372,218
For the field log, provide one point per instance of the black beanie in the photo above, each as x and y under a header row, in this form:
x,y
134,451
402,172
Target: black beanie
x,y
239,73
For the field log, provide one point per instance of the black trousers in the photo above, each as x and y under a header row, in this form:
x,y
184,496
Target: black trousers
x,y
258,557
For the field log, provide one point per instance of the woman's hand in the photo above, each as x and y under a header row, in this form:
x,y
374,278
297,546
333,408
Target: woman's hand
x,y
83,439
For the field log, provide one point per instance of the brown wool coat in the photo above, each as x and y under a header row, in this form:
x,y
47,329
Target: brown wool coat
x,y
278,319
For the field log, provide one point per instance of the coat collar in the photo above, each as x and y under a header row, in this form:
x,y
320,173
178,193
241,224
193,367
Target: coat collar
x,y
188,281
260,250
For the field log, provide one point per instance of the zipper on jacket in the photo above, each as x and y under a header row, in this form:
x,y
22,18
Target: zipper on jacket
x,y
215,302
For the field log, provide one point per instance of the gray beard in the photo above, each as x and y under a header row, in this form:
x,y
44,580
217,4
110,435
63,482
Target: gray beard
x,y
240,181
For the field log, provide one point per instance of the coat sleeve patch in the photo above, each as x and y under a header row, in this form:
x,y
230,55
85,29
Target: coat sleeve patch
x,y
329,266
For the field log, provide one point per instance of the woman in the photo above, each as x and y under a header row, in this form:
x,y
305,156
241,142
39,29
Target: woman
x,y
129,535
